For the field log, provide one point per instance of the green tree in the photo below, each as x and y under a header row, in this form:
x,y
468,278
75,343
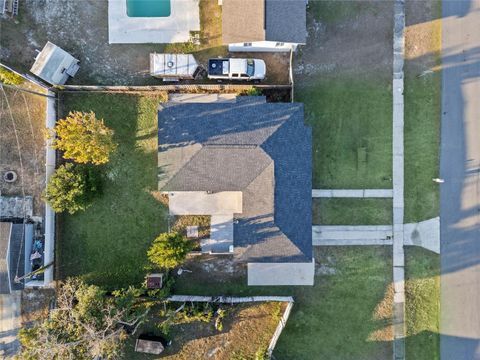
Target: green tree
x,y
86,323
169,250
71,188
10,78
83,138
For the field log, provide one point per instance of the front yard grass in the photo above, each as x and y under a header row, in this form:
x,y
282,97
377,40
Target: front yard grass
x,y
351,121
351,211
106,245
422,108
345,315
422,303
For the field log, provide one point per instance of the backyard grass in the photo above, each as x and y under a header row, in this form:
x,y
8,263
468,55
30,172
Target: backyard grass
x,y
349,211
352,132
107,244
422,304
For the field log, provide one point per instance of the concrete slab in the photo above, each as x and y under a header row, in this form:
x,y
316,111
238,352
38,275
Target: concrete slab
x,y
266,274
378,193
352,193
425,234
221,235
202,98
123,29
203,203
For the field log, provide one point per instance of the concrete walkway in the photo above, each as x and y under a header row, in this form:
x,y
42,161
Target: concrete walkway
x,y
221,235
323,235
352,193
425,234
10,321
398,182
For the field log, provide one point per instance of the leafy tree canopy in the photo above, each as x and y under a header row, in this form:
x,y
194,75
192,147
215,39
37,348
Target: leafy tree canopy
x,y
10,78
83,138
86,323
169,250
72,187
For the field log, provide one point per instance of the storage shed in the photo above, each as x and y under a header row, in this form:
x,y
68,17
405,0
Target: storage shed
x,y
172,67
54,65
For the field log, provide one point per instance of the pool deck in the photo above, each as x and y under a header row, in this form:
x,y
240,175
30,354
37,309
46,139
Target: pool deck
x,y
175,28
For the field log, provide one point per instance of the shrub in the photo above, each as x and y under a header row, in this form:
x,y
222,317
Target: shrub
x,y
83,138
169,250
71,188
10,78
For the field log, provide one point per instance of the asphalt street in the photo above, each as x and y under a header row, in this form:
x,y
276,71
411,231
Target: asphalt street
x,y
460,193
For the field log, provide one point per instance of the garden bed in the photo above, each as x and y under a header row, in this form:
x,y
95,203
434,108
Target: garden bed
x,y
246,331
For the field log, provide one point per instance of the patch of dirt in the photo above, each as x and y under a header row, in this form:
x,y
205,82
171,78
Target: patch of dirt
x,y
81,28
22,117
356,45
246,329
222,266
423,41
384,313
36,304
277,65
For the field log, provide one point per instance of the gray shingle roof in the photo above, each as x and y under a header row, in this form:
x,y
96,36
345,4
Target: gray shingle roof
x,y
258,20
286,21
262,149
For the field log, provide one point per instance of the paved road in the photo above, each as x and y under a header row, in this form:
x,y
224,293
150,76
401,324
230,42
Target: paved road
x,y
460,194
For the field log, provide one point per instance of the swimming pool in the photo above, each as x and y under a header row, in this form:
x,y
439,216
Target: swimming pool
x,y
148,8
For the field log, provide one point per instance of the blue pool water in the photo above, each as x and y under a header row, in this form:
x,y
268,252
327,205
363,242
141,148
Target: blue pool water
x,y
148,8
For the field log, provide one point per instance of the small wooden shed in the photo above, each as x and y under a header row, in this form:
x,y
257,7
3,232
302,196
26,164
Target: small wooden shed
x,y
154,281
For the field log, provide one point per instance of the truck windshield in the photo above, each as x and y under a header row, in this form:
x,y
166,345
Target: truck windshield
x,y
250,67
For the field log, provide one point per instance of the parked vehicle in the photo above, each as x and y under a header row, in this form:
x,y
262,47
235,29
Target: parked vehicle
x,y
236,69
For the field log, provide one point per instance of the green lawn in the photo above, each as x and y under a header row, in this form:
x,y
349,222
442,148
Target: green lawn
x,y
422,304
107,243
346,315
343,316
422,136
350,211
352,132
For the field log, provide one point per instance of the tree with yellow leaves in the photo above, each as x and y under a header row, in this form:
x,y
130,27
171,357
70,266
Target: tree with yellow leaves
x,y
83,138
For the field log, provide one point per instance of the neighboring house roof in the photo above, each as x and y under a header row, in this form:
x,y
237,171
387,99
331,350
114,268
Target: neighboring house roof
x,y
54,65
259,20
12,256
262,149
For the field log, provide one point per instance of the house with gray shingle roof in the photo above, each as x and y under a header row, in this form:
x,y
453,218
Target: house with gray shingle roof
x,y
264,25
247,164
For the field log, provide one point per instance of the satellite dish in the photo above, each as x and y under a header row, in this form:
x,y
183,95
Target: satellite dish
x,y
170,64
214,65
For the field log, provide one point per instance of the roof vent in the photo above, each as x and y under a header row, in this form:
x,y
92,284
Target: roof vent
x,y
170,64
